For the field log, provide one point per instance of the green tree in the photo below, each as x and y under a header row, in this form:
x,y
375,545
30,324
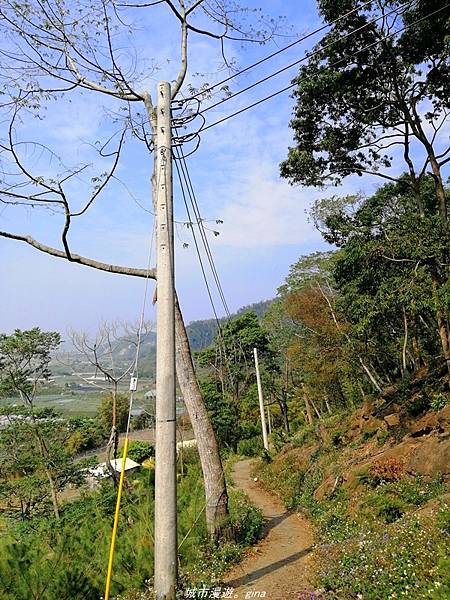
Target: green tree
x,y
24,363
385,274
26,470
139,451
228,386
105,411
368,99
224,413
86,433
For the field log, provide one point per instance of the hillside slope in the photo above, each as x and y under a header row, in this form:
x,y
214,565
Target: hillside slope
x,y
376,486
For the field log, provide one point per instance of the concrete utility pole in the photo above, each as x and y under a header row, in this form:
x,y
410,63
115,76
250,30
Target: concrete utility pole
x,y
165,435
261,402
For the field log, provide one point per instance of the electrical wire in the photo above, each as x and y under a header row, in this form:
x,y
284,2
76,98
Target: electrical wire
x,y
304,58
191,225
186,184
292,85
191,192
193,199
276,53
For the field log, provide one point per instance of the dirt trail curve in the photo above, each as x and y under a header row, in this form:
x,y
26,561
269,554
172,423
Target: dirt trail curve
x,y
279,564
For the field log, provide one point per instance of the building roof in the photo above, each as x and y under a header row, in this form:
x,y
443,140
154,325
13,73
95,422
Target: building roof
x,y
129,464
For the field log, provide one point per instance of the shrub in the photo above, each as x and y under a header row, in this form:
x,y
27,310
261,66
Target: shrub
x,y
382,436
382,471
246,519
305,435
250,447
419,405
439,401
379,562
303,497
139,451
367,435
443,519
386,507
415,491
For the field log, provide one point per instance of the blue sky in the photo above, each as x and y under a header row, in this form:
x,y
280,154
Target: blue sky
x,y
235,175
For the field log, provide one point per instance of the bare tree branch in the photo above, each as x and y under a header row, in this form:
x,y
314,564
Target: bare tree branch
x,y
82,260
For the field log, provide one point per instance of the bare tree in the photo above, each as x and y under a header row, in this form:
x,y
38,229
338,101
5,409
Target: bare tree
x,y
53,49
100,351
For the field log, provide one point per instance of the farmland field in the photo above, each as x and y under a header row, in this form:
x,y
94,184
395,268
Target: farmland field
x,y
66,395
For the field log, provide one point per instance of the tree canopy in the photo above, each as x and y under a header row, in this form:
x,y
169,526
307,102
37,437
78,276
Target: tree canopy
x,y
374,92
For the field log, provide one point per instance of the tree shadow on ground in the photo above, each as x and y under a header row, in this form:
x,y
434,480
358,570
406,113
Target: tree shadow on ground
x,y
272,522
252,577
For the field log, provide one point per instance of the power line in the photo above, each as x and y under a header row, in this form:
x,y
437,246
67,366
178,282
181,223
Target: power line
x,y
288,87
204,237
191,224
259,62
194,203
304,58
183,174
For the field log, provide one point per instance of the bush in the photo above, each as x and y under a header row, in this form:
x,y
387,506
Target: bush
x,y
139,451
386,507
245,518
419,405
379,562
48,559
251,447
439,401
307,482
443,519
383,471
304,435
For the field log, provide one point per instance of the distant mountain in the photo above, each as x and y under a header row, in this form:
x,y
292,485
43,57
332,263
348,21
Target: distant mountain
x,y
260,308
201,333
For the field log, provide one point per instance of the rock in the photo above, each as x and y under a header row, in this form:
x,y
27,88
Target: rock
x,y
392,420
366,411
431,457
424,425
432,420
371,425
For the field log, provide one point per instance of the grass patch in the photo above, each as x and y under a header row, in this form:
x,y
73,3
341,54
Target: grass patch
x,y
376,546
45,559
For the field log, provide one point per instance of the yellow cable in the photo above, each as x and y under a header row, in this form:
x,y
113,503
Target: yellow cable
x,y
116,521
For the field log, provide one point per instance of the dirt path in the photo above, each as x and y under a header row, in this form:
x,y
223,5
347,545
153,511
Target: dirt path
x,y
279,564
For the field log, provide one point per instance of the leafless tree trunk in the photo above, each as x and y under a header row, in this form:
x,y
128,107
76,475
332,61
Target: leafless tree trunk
x,y
44,455
405,341
213,475
307,405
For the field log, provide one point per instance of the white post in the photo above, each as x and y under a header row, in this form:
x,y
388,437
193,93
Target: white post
x,y
165,434
261,401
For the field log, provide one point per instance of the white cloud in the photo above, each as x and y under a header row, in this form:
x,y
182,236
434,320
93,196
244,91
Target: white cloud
x,y
267,212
